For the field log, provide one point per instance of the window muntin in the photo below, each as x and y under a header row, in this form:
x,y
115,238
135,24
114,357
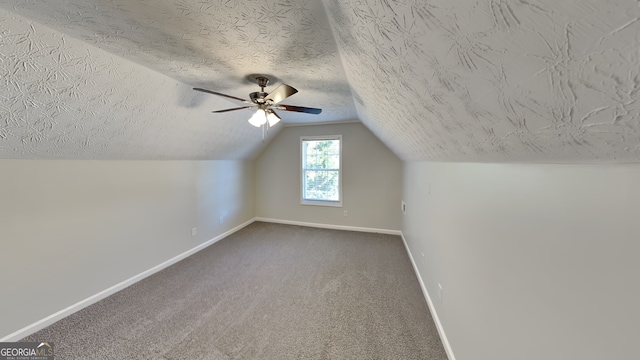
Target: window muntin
x,y
321,170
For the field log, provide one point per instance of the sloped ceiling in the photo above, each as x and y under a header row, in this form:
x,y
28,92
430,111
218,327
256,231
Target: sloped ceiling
x,y
496,80
492,80
73,87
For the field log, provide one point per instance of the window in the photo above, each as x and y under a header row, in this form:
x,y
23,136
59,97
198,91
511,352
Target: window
x,y
321,170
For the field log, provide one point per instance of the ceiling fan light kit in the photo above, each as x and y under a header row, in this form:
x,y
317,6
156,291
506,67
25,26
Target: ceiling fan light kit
x,y
262,117
265,102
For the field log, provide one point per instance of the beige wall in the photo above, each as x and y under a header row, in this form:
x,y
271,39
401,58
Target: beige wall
x,y
70,229
536,261
372,180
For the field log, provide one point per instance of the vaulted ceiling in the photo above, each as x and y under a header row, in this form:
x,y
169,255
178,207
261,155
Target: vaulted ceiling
x,y
454,80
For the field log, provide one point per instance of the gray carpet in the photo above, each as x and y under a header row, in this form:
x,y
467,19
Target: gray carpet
x,y
269,291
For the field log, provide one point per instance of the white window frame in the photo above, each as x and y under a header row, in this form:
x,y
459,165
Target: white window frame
x,y
304,201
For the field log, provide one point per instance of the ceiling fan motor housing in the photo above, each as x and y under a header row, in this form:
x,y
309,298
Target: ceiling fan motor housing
x,y
258,97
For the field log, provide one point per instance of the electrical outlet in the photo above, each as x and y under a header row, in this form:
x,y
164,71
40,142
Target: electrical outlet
x,y
346,213
221,219
194,231
403,207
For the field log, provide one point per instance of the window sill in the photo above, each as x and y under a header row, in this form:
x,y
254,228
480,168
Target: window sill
x,y
321,203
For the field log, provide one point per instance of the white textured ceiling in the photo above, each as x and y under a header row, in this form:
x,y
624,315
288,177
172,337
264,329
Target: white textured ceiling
x,y
454,80
496,80
68,93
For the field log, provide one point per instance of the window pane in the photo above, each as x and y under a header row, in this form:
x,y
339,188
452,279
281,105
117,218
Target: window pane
x,y
334,162
321,185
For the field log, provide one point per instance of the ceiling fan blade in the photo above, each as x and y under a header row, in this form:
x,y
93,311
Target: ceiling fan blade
x,y
238,108
220,94
301,109
280,93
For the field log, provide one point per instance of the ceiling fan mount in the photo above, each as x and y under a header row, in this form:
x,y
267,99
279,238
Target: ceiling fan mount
x,y
265,103
263,81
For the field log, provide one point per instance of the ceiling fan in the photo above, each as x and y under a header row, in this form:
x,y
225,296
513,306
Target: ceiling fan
x,y
266,103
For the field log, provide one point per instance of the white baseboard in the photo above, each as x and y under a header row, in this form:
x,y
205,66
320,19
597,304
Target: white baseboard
x,y
330,226
41,324
432,309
